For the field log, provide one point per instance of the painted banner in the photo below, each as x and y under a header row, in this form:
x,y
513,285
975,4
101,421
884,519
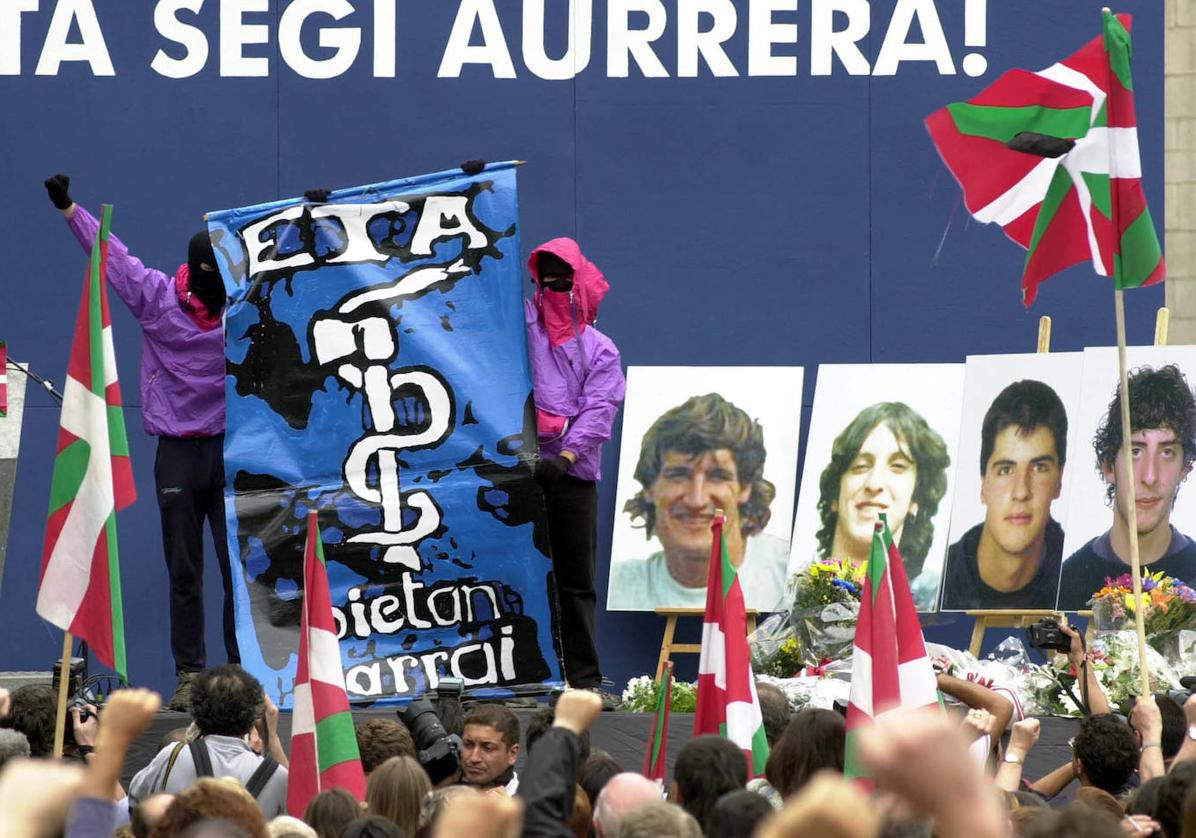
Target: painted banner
x,y
378,373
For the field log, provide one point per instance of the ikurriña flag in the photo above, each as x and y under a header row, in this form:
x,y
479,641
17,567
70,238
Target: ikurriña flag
x,y
658,741
1052,156
93,479
323,742
727,700
889,664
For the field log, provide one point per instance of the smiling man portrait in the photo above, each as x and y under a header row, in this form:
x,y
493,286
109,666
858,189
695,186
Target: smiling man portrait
x,y
1163,443
887,460
703,455
1012,558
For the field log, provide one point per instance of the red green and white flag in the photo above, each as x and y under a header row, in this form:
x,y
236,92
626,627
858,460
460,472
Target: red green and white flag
x,y
93,479
658,742
727,701
323,742
1052,156
889,666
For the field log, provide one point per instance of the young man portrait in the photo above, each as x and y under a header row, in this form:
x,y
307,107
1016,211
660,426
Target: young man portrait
x,y
1011,559
1163,443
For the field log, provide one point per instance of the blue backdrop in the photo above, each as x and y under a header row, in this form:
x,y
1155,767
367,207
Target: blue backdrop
x,y
741,218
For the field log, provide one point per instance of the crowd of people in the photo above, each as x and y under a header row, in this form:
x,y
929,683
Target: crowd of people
x,y
950,774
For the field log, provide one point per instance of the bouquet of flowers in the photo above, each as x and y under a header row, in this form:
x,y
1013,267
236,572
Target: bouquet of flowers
x,y
1168,606
1054,687
643,692
774,647
826,605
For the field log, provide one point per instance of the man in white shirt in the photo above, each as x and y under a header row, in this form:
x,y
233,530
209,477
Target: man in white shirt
x,y
703,455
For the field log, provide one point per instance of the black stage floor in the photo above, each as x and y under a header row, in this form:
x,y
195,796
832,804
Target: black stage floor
x,y
623,735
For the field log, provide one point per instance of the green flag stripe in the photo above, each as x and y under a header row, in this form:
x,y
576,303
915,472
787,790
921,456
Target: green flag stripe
x,y
114,594
728,568
1098,188
95,316
1003,124
336,741
118,440
658,727
852,765
1102,116
1140,252
69,468
759,750
878,565
1061,184
1120,48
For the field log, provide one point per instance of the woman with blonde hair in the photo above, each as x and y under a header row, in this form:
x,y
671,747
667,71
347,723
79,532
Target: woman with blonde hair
x,y
396,790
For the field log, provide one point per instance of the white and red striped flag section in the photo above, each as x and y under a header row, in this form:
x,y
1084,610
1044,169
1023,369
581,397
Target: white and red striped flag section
x,y
1052,157
93,479
889,665
727,701
323,743
658,741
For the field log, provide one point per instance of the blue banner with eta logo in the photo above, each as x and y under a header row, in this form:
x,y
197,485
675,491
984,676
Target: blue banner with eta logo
x,y
378,373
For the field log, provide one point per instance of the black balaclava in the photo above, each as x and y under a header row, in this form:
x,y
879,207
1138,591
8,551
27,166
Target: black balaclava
x,y
205,283
557,271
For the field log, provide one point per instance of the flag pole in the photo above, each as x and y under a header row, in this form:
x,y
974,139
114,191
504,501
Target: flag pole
x,y
64,677
1131,504
1130,501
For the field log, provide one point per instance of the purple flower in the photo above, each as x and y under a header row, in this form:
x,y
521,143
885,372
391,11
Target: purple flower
x,y
1148,584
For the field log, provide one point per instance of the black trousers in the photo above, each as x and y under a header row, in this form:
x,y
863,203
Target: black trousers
x,y
573,533
189,475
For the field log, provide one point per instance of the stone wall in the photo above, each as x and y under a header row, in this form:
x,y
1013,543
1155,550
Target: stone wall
x,y
1180,167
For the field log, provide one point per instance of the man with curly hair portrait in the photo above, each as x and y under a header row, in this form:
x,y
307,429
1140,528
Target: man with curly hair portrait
x,y
1163,442
226,702
703,455
887,460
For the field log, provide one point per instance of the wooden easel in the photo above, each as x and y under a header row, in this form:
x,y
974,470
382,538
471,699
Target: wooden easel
x,y
993,618
668,647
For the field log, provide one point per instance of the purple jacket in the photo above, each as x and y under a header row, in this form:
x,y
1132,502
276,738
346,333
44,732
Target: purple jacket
x,y
581,378
182,363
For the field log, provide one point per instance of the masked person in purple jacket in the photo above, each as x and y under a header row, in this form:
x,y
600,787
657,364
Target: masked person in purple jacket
x,y
579,385
182,403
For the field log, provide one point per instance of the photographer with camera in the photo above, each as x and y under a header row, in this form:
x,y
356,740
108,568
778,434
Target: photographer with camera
x,y
438,752
226,702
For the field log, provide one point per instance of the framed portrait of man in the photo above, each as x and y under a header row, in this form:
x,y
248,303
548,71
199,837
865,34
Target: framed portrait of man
x,y
882,439
1163,446
697,439
1010,509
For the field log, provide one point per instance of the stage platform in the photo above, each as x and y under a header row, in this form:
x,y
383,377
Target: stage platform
x,y
623,735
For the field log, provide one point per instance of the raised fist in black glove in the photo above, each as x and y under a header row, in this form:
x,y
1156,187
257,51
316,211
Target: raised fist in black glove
x,y
473,167
550,469
59,188
317,196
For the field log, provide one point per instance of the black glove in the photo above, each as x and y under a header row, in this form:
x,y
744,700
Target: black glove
x,y
59,189
550,469
473,167
317,196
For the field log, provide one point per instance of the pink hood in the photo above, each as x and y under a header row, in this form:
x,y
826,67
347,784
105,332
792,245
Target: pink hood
x,y
589,287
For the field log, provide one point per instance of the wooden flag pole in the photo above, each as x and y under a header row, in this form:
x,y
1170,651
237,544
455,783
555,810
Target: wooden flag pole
x,y
64,680
1131,503
1162,323
1044,334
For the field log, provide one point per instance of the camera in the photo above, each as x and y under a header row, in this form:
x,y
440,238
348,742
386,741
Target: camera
x,y
437,751
1046,634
